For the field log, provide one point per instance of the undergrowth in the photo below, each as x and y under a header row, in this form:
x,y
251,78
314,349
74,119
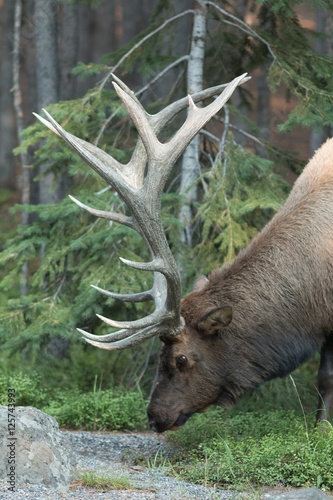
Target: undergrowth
x,y
267,439
266,446
111,409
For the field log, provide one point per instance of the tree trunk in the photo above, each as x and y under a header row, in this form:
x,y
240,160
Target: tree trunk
x,y
47,81
25,178
190,169
7,116
240,7
48,92
69,46
322,46
263,110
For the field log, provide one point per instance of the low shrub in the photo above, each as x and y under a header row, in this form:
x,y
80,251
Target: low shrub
x,y
112,409
269,447
28,389
108,410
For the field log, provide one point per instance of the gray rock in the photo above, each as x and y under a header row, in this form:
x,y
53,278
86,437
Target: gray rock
x,y
33,450
303,494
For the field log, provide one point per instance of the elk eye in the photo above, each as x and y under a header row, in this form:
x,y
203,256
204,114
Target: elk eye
x,y
181,361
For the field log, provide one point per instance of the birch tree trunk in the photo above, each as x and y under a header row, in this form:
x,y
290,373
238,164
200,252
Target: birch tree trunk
x,y
190,169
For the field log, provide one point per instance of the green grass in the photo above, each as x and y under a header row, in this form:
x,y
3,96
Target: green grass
x,y
268,447
105,481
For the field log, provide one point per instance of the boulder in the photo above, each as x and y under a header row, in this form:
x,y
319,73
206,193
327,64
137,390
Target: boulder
x,y
34,450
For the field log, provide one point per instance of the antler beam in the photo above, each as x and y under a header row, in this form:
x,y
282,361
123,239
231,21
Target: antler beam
x,y
143,198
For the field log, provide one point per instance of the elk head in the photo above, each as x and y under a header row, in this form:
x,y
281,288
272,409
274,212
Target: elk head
x,y
142,195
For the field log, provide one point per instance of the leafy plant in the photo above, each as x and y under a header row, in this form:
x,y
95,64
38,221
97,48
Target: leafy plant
x,y
28,390
108,410
243,446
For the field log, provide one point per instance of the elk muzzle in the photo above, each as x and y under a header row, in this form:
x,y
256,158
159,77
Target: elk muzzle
x,y
158,425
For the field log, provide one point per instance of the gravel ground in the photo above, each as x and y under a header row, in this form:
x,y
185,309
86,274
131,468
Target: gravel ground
x,y
120,455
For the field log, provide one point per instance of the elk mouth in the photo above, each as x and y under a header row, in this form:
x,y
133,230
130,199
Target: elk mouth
x,y
162,426
181,420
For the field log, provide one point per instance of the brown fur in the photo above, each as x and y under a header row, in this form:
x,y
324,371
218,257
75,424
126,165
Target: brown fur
x,y
280,290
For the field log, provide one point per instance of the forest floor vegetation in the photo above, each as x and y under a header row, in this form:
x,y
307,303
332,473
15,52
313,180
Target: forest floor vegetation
x,y
268,439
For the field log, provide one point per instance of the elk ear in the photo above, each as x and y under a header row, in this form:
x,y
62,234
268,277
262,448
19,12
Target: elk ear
x,y
200,283
215,319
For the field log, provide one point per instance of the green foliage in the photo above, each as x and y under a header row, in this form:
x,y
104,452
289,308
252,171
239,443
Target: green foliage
x,y
96,409
246,446
28,390
243,195
99,410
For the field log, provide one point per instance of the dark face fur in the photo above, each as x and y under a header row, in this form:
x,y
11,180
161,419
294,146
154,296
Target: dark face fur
x,y
190,378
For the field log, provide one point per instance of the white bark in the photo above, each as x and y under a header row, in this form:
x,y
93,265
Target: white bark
x,y
190,169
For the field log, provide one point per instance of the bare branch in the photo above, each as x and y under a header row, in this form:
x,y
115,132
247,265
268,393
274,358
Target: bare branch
x,y
161,74
143,40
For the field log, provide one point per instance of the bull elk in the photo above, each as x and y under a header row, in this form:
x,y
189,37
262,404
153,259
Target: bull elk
x,y
251,321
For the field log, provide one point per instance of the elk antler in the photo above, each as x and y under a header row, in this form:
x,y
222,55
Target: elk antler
x,y
143,198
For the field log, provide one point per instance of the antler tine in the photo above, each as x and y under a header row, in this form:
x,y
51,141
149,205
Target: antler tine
x,y
115,173
140,119
165,115
119,335
198,117
155,293
131,341
121,218
129,297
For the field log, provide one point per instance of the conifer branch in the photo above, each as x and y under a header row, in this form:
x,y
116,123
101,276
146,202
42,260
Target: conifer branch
x,y
243,26
54,298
